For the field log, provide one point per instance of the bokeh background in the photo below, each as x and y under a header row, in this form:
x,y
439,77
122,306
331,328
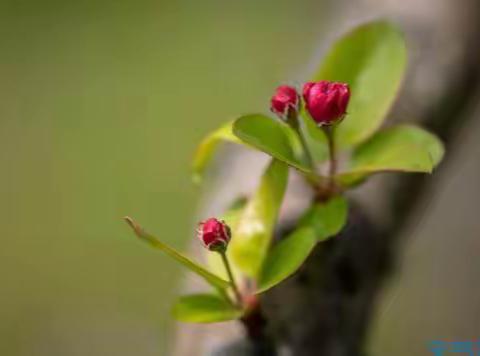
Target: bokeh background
x,y
101,106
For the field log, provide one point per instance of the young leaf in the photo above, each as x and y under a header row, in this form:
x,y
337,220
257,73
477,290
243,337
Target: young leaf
x,y
233,214
211,278
204,308
251,238
372,60
327,218
270,136
404,148
286,257
207,147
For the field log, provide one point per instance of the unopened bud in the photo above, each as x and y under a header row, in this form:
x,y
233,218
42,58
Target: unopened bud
x,y
326,101
214,234
284,100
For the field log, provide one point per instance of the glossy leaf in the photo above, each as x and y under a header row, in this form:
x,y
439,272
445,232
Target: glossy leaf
x,y
206,149
286,257
404,148
251,239
327,218
204,308
270,136
372,60
211,278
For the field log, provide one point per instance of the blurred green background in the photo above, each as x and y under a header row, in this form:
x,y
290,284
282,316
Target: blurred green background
x,y
101,106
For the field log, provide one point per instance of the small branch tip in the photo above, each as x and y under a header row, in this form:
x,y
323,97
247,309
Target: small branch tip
x,y
129,221
136,228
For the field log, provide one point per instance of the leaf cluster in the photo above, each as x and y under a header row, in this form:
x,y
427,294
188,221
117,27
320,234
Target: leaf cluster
x,y
371,59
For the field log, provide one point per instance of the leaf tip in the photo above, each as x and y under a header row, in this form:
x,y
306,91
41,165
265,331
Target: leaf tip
x,y
135,227
129,220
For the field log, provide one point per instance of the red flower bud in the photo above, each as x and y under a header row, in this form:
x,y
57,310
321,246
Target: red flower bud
x,y
214,234
326,101
285,98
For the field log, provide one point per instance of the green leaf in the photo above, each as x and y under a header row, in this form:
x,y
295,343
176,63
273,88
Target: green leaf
x,y
286,257
234,212
270,136
251,239
404,148
204,308
372,60
211,278
206,149
327,218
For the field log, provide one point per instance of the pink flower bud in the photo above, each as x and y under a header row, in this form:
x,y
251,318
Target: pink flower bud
x,y
326,101
285,99
214,234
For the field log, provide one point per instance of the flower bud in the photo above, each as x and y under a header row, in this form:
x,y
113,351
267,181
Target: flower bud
x,y
326,101
214,234
285,99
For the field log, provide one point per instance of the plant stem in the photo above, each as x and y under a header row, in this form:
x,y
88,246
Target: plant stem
x,y
329,131
294,122
308,154
225,295
236,292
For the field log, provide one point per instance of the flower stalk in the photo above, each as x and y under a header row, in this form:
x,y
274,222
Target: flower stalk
x,y
294,122
332,154
228,268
